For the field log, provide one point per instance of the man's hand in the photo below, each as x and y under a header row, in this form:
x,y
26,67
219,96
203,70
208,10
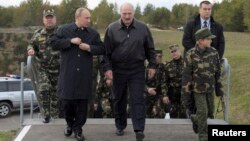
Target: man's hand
x,y
151,73
109,82
76,41
31,52
84,47
109,74
165,100
151,91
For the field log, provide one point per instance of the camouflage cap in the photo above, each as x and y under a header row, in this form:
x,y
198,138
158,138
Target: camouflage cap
x,y
49,12
158,51
203,33
173,47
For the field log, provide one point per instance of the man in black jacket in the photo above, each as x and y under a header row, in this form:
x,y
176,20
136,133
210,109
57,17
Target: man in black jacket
x,y
128,43
204,19
77,43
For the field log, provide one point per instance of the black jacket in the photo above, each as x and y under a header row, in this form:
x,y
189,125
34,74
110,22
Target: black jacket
x,y
75,79
188,40
127,48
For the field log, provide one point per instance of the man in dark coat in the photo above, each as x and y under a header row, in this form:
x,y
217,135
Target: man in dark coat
x,y
77,43
128,43
204,19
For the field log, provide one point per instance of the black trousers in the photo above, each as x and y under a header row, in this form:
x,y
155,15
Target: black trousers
x,y
75,113
134,83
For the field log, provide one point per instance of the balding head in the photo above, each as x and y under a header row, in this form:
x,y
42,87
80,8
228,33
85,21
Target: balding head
x,y
127,13
82,17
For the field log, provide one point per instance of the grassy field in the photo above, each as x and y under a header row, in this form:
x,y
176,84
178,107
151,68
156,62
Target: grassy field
x,y
7,136
237,51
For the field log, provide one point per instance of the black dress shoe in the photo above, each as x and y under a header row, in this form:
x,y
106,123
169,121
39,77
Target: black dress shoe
x,y
68,131
119,132
139,136
46,120
79,137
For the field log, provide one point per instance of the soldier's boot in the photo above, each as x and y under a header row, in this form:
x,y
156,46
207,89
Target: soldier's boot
x,y
46,119
46,107
195,126
139,136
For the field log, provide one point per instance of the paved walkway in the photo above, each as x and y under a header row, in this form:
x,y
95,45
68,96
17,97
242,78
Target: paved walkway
x,y
104,130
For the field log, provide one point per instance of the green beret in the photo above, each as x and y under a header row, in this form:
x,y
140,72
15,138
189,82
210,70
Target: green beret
x,y
203,33
158,51
49,12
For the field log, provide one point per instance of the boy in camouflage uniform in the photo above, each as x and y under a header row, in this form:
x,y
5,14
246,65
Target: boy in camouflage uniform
x,y
47,63
154,104
201,76
171,85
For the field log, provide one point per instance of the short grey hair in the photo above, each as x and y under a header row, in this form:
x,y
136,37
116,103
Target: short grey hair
x,y
79,11
127,3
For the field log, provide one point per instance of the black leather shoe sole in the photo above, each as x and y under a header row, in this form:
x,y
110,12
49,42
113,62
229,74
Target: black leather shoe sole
x,y
79,137
119,132
67,131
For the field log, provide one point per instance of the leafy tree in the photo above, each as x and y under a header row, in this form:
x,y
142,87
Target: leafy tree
x,y
138,13
103,14
247,13
161,17
6,16
67,8
148,13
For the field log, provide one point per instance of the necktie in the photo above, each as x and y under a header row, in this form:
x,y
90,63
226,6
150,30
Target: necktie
x,y
205,24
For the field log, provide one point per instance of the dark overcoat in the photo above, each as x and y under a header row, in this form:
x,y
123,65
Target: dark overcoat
x,y
75,78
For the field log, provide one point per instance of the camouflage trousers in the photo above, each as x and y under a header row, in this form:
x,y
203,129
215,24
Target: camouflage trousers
x,y
177,110
205,108
46,96
154,107
103,102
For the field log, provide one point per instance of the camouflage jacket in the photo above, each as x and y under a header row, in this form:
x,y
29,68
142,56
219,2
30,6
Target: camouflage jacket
x,y
44,55
156,81
173,75
201,73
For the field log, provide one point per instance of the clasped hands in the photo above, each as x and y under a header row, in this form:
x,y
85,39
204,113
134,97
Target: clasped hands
x,y
82,46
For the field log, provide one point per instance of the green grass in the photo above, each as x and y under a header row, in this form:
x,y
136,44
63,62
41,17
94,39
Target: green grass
x,y
7,136
237,51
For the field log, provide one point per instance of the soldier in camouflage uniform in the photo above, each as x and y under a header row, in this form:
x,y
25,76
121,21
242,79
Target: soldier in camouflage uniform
x,y
171,85
201,75
154,104
47,63
91,101
103,102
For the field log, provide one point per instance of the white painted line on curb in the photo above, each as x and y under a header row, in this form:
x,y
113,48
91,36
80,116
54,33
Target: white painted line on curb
x,y
23,133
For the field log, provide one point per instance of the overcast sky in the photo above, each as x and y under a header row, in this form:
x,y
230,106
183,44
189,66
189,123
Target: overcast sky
x,y
93,3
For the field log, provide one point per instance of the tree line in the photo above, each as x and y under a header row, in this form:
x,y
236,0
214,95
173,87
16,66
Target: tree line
x,y
234,15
